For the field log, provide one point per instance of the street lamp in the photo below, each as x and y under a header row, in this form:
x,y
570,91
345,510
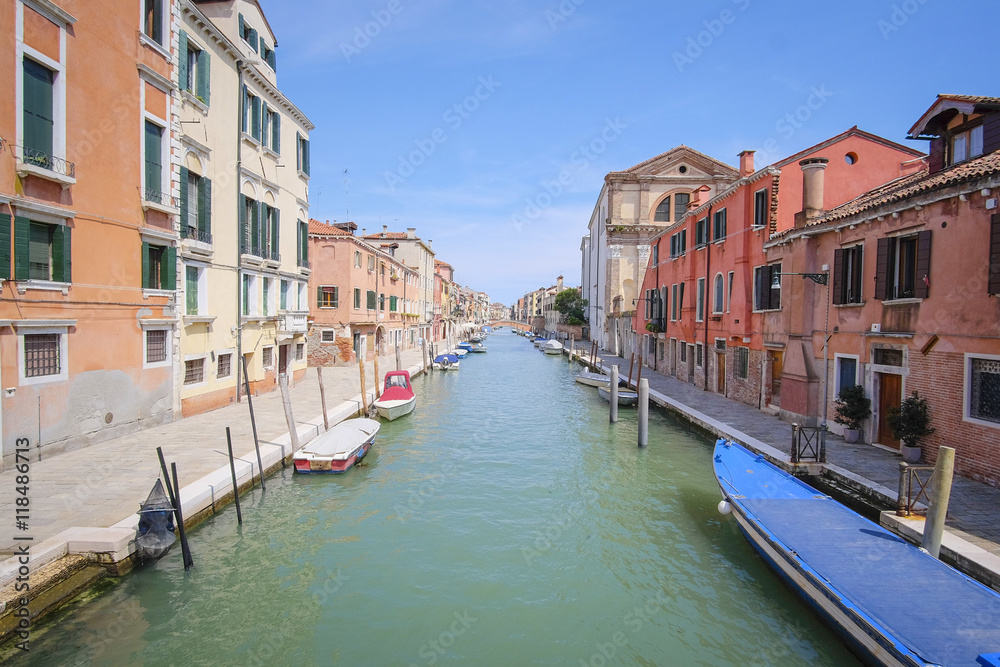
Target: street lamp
x,y
820,279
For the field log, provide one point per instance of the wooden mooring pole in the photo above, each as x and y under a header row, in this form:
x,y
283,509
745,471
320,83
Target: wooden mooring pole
x,y
364,390
613,387
643,413
937,512
253,424
185,550
399,358
286,404
631,363
232,470
322,398
378,392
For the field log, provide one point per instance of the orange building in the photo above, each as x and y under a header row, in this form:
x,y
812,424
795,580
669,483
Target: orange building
x,y
88,249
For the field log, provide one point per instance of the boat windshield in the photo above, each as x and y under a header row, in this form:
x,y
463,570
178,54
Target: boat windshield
x,y
396,381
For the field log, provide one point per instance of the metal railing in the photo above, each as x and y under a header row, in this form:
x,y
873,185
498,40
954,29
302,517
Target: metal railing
x,y
37,158
808,443
196,234
157,197
304,263
260,250
914,488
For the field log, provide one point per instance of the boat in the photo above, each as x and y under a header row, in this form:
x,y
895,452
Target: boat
x,y
892,602
445,362
539,341
397,398
338,449
478,347
552,347
156,525
465,346
625,396
459,352
593,379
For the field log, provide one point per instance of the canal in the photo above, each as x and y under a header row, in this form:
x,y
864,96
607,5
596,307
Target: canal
x,y
504,522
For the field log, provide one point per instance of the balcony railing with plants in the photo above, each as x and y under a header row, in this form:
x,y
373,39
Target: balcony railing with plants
x,y
37,158
196,234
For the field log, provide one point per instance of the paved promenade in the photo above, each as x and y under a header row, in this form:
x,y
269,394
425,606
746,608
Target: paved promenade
x,y
101,485
974,510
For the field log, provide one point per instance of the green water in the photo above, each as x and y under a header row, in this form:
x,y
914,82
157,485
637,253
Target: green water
x,y
504,522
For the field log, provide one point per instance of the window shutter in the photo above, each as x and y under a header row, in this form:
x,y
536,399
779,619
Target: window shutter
x,y
243,223
5,221
182,61
773,293
38,110
298,151
22,234
255,117
882,269
185,214
994,277
191,290
936,160
254,227
242,26
922,279
154,168
265,123
205,206
168,272
145,265
680,302
838,276
319,297
204,82
254,40
62,264
246,110
306,147
272,60
275,231
276,133
991,132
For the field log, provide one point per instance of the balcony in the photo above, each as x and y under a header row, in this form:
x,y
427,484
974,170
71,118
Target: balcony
x,y
290,321
195,234
260,250
156,200
34,162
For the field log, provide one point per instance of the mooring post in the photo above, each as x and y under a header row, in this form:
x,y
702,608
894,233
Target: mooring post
x,y
378,392
364,390
253,424
944,471
166,477
232,470
795,443
643,413
399,358
613,388
286,403
571,341
423,353
322,398
631,363
185,550
902,497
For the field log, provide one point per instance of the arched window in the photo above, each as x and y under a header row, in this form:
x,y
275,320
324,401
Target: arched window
x,y
718,304
663,211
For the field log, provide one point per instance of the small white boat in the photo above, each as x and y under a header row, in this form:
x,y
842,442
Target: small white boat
x,y
552,347
625,396
593,379
398,399
445,362
459,352
338,449
539,341
478,347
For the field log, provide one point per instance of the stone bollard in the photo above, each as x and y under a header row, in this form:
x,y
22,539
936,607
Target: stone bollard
x,y
944,471
613,389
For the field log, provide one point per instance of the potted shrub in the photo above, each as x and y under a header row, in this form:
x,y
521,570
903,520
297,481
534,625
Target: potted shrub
x,y
853,408
909,423
653,327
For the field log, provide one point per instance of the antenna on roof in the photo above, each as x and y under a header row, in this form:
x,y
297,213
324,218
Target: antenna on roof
x,y
347,198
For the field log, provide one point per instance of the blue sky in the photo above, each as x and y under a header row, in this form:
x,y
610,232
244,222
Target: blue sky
x,y
458,117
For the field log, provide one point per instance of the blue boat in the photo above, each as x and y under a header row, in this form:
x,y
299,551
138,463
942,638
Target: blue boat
x,y
892,603
465,346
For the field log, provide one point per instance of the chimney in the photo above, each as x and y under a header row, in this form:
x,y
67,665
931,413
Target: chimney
x,y
559,284
411,232
812,189
430,243
746,163
364,232
385,229
696,197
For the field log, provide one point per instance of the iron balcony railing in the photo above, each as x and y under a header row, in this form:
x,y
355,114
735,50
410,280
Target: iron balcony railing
x,y
260,250
196,234
37,158
156,196
304,264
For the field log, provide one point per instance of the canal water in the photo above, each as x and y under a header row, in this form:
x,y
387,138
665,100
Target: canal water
x,y
504,522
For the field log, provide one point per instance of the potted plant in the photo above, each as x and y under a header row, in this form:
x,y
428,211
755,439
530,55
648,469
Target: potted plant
x,y
853,408
909,423
653,327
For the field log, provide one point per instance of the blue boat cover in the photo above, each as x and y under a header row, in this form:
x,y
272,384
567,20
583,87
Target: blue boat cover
x,y
446,357
938,613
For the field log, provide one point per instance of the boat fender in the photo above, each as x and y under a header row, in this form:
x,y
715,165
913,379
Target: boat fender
x,y
724,507
446,363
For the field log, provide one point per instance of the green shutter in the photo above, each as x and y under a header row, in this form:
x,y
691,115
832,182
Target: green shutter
x,y
205,206
185,214
242,26
154,167
168,269
319,297
275,231
191,290
255,117
254,227
61,254
298,151
246,295
243,223
246,111
306,156
265,125
22,247
38,112
276,133
145,265
204,82
253,40
182,65
5,221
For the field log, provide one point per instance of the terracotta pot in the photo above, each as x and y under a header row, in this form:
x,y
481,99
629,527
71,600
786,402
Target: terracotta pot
x,y
851,435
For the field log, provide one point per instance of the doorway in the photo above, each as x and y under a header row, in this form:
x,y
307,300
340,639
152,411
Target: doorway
x,y
282,359
776,359
890,395
720,372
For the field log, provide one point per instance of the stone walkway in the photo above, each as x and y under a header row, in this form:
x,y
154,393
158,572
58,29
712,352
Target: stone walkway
x,y
974,510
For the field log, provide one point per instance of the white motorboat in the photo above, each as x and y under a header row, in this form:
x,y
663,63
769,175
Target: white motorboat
x,y
338,449
445,362
459,352
625,396
593,379
552,347
397,399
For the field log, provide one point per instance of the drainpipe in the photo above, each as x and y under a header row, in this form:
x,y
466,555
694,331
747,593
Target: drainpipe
x,y
704,296
239,249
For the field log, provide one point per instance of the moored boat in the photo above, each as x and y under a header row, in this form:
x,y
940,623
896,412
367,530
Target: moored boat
x,y
625,396
478,347
445,362
465,346
459,352
156,525
593,379
397,399
552,347
338,449
893,603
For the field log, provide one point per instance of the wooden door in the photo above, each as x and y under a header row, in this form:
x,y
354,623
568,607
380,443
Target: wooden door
x,y
282,359
777,362
720,372
890,395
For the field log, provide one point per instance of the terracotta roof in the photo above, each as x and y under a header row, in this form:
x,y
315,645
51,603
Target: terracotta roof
x,y
438,262
915,184
386,235
854,131
682,149
318,228
956,103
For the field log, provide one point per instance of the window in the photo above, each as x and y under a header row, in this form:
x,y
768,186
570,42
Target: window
x,y
194,371
699,354
225,365
678,243
357,259
760,208
42,354
719,225
656,254
195,206
887,356
673,303
302,154
156,346
381,302
154,163
300,351
270,218
967,144
41,251
765,295
283,294
38,114
152,20
393,304
191,278
701,233
194,68
718,303
328,297
357,298
993,284
681,200
684,352
371,300
328,336
700,309
270,131
249,295
663,211
729,292
847,268
159,267
267,356
903,267
267,53
371,262
984,389
248,35
303,245
847,373
680,301
742,363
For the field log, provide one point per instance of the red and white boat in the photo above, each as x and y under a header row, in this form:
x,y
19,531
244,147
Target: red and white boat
x,y
338,449
397,398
